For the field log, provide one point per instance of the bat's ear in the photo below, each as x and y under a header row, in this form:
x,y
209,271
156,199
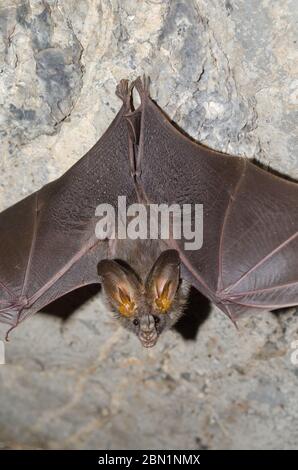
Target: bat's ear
x,y
121,286
163,280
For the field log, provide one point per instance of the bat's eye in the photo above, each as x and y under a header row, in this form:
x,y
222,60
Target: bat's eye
x,y
136,322
157,320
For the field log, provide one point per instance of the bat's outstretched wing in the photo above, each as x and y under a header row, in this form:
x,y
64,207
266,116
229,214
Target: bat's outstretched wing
x,y
248,258
47,241
250,237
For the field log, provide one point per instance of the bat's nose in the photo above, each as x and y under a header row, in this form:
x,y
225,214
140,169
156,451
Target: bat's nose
x,y
147,324
148,333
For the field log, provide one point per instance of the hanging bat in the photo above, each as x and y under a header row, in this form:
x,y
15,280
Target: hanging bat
x,y
248,259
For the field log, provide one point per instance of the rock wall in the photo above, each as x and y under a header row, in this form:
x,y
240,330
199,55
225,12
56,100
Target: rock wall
x,y
227,73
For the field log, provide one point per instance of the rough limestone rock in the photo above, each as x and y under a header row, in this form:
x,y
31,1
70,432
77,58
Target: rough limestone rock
x,y
226,72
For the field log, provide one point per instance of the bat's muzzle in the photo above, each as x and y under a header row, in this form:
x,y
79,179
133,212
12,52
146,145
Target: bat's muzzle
x,y
148,339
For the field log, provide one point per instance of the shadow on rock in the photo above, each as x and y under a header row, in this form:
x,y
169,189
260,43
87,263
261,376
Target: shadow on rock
x,y
196,314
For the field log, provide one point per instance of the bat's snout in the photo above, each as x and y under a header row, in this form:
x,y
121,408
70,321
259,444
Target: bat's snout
x,y
148,338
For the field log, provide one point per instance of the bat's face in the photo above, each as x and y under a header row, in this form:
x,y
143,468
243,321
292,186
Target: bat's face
x,y
145,307
148,321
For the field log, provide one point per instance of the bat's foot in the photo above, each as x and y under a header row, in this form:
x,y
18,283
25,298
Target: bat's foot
x,y
142,86
124,90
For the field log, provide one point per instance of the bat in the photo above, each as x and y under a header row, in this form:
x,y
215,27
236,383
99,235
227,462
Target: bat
x,y
247,261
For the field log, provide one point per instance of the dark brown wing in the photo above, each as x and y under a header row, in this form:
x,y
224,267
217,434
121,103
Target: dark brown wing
x,y
250,245
47,241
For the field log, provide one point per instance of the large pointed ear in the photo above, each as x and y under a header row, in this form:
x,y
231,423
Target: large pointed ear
x,y
163,280
121,286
